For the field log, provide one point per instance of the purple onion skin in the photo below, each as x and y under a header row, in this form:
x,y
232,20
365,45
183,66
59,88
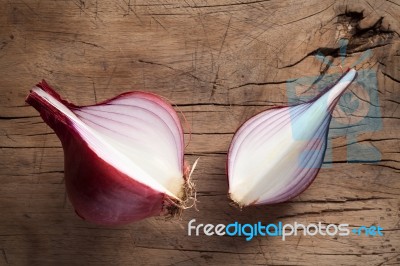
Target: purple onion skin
x,y
300,187
99,193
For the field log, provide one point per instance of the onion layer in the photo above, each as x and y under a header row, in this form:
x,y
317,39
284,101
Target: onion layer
x,y
275,155
123,157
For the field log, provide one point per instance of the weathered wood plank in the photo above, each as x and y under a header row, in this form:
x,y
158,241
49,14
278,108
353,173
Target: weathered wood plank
x,y
219,63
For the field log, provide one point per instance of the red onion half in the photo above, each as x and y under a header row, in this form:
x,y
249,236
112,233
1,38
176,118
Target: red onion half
x,y
275,155
123,157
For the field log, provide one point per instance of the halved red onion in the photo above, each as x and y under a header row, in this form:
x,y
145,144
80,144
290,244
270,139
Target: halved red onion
x,y
275,155
123,157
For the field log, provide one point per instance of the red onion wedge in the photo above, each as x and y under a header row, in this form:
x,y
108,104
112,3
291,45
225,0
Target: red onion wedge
x,y
275,155
123,157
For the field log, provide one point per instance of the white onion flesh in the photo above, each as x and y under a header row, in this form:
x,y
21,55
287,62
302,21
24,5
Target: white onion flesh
x,y
125,133
276,154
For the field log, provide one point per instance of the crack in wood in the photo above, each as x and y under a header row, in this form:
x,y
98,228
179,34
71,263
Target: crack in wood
x,y
228,104
340,200
193,250
17,117
263,83
385,166
5,256
341,210
391,77
187,73
228,5
365,140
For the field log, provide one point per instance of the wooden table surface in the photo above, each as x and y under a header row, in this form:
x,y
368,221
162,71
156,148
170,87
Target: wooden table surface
x,y
220,62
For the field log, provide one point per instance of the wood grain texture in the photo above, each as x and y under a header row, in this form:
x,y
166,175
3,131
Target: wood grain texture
x,y
220,62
